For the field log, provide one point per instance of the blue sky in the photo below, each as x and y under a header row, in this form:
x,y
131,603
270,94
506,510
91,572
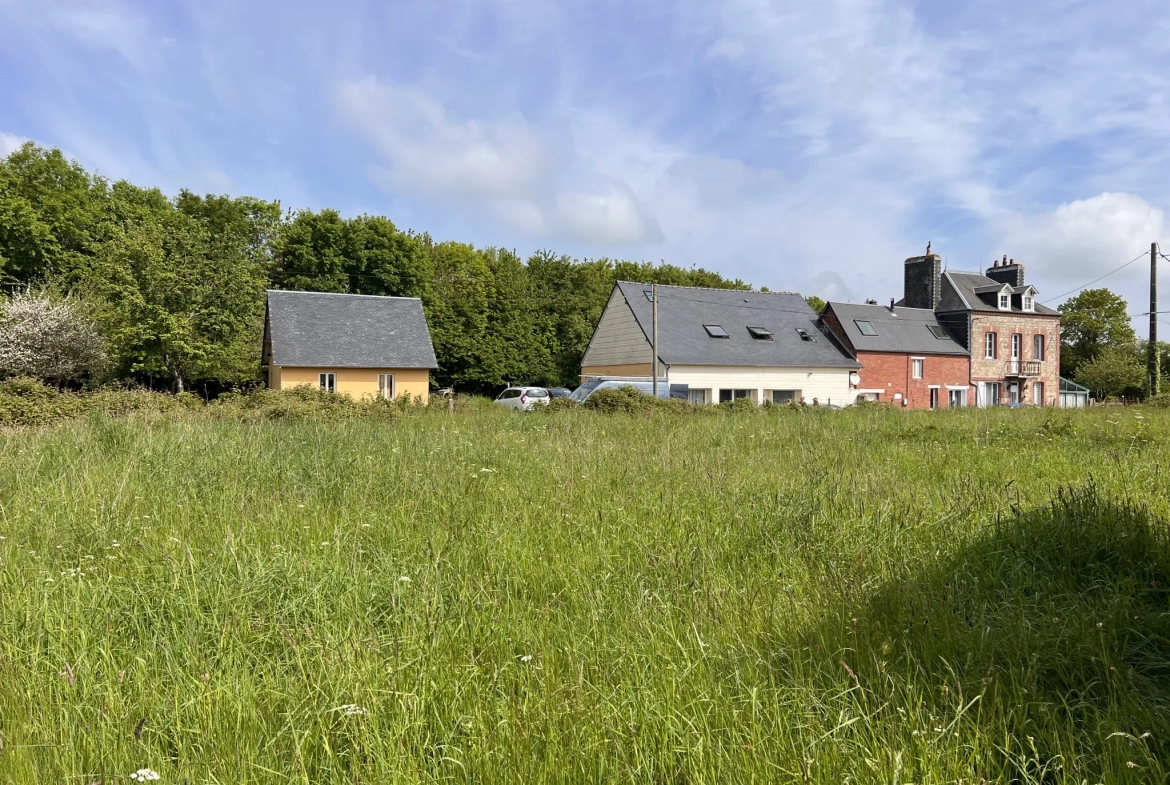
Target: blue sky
x,y
801,146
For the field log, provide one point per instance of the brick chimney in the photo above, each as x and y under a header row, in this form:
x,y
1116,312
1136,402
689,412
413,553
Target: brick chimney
x,y
1007,272
922,284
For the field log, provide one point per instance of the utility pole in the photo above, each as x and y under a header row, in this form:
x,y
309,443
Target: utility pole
x,y
654,336
1155,360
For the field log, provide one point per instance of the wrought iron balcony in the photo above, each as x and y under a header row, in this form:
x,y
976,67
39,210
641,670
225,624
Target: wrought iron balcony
x,y
1023,368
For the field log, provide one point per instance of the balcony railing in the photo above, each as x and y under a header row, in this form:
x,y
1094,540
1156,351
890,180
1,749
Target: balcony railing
x,y
1027,368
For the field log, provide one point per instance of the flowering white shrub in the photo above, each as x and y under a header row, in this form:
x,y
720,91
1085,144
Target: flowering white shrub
x,y
47,339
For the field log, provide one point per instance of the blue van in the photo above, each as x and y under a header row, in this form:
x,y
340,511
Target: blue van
x,y
639,383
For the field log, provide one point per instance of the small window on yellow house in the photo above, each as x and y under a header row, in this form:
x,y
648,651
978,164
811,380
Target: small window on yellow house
x,y
327,382
386,386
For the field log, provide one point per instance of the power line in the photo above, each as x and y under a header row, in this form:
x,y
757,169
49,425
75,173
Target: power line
x,y
1142,255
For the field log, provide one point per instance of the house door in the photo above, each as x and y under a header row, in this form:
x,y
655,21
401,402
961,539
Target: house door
x,y
1038,393
1014,392
989,392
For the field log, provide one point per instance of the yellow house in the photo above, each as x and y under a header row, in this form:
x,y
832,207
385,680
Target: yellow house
x,y
357,344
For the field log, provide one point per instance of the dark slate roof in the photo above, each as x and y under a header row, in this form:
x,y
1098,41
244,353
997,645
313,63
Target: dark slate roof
x,y
903,330
319,329
682,339
958,294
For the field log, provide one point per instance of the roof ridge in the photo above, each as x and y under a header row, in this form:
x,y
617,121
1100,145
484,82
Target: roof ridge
x,y
705,288
345,294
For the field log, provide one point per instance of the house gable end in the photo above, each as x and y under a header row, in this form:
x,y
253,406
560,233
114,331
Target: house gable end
x,y
618,338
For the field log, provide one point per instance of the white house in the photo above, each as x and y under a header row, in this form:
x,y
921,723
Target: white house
x,y
724,344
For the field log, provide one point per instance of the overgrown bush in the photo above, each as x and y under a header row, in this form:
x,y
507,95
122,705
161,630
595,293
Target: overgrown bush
x,y
1161,400
626,399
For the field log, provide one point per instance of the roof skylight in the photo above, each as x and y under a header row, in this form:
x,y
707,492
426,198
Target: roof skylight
x,y
715,331
865,326
938,332
760,333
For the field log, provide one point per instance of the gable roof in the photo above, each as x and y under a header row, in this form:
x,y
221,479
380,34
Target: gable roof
x,y
976,292
325,330
902,330
683,340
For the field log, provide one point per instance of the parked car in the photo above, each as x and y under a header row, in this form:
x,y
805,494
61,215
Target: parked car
x,y
559,392
665,389
523,398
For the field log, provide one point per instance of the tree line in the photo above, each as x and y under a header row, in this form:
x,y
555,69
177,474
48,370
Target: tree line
x,y
175,286
174,289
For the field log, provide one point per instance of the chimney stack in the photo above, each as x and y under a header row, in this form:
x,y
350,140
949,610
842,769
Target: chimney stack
x,y
1006,272
922,281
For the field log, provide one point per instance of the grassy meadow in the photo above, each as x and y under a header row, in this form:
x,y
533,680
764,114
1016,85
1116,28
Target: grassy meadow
x,y
823,597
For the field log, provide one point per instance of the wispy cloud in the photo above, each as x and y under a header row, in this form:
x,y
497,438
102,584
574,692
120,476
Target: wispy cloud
x,y
502,167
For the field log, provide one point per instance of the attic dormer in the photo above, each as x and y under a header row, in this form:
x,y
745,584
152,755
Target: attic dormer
x,y
1027,298
1000,294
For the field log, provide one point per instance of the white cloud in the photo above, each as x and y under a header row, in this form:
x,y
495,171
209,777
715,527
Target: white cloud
x,y
10,143
505,168
1083,239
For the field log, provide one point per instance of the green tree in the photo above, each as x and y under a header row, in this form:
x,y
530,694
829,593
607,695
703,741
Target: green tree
x,y
381,260
1115,371
1094,320
816,303
310,253
176,300
458,313
50,211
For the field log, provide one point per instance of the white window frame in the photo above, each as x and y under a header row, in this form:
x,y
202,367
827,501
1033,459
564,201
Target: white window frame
x,y
704,395
327,382
958,392
1038,346
1029,303
1017,346
386,384
1038,393
1005,301
990,345
935,396
917,367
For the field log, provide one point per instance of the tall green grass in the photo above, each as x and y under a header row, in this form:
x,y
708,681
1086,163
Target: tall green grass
x,y
848,596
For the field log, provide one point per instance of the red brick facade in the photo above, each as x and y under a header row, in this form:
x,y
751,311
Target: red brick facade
x,y
1003,368
893,375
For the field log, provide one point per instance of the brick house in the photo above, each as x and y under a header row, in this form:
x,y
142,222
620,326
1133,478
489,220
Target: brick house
x,y
907,357
1013,340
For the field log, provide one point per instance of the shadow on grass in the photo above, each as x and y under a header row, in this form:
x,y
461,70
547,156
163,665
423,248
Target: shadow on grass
x,y
1040,653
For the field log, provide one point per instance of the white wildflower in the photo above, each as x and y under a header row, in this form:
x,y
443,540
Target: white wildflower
x,y
486,469
115,544
73,572
300,505
351,710
49,580
144,775
324,544
526,658
404,579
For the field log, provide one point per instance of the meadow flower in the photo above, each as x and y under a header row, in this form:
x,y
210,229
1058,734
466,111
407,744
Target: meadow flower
x,y
144,775
526,658
72,572
350,710
404,579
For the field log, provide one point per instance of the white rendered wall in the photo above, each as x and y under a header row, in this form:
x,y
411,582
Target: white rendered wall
x,y
824,384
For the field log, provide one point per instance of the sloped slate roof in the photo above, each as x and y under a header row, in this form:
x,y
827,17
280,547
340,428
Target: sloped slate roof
x,y
903,330
319,329
958,294
682,339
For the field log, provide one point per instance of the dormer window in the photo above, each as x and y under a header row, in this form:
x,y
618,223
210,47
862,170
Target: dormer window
x,y
1029,303
760,333
1005,301
715,331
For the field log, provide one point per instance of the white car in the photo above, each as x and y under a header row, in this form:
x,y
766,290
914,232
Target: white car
x,y
522,398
